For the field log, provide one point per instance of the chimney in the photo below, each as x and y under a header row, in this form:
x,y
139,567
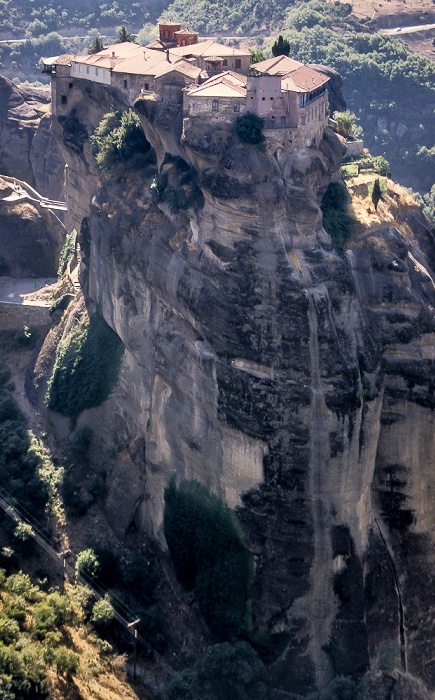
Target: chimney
x,y
167,56
113,54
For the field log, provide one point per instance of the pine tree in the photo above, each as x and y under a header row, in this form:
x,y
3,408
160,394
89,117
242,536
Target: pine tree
x,y
96,46
281,47
377,195
124,35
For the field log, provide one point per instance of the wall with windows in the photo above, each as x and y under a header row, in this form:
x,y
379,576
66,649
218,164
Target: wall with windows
x,y
94,73
219,109
132,85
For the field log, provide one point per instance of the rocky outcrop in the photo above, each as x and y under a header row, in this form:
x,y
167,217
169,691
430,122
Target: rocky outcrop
x,y
293,379
27,149
31,237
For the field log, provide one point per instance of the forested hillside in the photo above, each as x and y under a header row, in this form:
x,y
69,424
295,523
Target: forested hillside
x,y
37,17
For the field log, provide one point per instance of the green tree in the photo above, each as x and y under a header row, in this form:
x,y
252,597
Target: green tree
x,y
346,123
376,193
249,128
281,47
96,46
87,564
257,56
383,167
124,35
210,556
103,613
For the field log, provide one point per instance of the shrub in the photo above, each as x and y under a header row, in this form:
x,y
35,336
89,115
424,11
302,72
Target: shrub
x,y
87,564
227,671
118,137
25,337
249,128
67,663
86,368
61,303
336,220
209,555
103,613
383,167
66,253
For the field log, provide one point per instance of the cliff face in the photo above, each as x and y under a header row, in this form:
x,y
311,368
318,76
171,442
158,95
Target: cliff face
x,y
28,151
294,380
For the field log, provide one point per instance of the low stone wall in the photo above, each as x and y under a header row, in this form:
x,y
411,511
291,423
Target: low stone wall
x,y
354,148
294,139
15,316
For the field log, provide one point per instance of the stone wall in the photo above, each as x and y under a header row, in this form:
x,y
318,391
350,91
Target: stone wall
x,y
203,106
15,316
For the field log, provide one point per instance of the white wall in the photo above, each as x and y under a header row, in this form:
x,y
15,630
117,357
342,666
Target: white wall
x,y
94,73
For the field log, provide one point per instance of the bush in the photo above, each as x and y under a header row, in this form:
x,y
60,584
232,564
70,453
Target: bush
x,y
86,368
87,564
67,252
341,688
336,220
249,128
103,613
67,663
209,555
61,303
227,671
118,137
25,337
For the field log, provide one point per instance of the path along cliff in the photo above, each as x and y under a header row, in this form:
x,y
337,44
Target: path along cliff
x,y
295,380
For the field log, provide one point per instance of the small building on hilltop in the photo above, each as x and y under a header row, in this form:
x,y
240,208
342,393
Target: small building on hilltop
x,y
220,98
304,93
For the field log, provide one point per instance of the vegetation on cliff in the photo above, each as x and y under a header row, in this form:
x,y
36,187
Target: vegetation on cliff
x,y
209,555
86,367
119,137
26,470
336,221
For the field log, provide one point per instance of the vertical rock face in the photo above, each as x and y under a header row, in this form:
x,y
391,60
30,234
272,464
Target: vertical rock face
x,y
294,380
28,151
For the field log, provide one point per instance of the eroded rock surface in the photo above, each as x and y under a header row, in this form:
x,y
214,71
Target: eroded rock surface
x,y
294,380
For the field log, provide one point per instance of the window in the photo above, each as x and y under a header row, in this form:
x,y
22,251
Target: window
x,y
238,62
271,98
96,71
87,69
303,121
252,97
64,99
263,99
237,108
282,121
147,86
70,85
225,63
125,83
215,106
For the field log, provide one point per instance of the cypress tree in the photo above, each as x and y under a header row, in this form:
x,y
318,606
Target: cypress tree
x,y
377,193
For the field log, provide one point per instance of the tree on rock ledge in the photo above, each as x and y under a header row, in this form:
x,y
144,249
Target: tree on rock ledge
x,y
249,128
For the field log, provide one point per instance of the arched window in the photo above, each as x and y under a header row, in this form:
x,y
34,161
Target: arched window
x,y
215,106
